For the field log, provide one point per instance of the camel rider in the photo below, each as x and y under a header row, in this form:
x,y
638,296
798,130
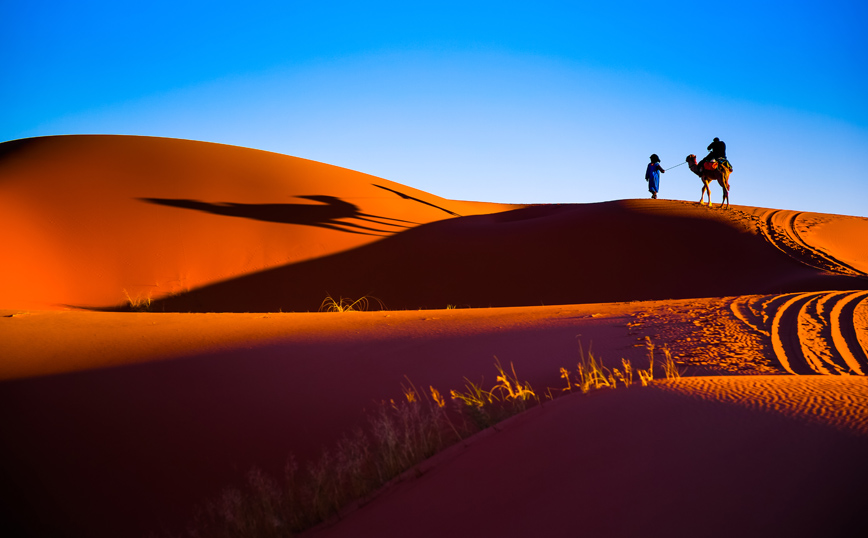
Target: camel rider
x,y
717,150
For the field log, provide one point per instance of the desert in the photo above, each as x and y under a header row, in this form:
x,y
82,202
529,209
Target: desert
x,y
163,334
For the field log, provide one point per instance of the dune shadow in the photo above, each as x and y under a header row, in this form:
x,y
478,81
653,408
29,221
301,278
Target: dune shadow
x,y
525,257
331,213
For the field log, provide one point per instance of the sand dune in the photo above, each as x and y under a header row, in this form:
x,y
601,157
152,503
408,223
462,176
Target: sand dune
x,y
95,221
532,256
118,423
721,457
100,221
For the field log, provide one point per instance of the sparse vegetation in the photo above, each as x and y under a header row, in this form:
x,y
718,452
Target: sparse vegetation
x,y
341,304
485,408
139,303
397,436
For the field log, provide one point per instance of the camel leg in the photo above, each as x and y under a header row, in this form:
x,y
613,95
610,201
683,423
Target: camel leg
x,y
702,195
725,187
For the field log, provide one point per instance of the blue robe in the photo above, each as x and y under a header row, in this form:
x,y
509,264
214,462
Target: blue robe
x,y
652,175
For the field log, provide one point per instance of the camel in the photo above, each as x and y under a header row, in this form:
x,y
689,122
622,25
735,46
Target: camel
x,y
720,174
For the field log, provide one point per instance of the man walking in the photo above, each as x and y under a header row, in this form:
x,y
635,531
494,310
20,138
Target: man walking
x,y
652,175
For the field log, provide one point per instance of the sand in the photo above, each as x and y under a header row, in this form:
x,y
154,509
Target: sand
x,y
119,422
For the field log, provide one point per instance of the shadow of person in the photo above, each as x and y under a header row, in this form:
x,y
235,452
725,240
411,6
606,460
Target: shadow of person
x,y
331,213
408,197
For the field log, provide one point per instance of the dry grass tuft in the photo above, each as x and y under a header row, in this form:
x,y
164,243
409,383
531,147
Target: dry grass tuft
x,y
139,303
485,408
331,304
592,374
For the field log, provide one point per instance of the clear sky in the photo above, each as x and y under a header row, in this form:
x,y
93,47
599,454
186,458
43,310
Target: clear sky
x,y
550,102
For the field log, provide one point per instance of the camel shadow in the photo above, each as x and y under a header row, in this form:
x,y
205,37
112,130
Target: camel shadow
x,y
331,213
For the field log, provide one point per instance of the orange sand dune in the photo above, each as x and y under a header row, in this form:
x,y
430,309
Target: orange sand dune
x,y
120,423
95,220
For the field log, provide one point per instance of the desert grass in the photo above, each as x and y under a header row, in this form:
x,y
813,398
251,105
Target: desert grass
x,y
139,303
592,374
330,304
670,368
485,408
397,436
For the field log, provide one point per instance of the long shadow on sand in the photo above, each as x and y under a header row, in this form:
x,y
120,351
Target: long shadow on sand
x,y
331,213
568,254
408,197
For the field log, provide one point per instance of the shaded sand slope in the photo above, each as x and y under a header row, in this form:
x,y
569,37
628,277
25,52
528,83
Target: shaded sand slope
x,y
90,220
122,451
721,457
557,254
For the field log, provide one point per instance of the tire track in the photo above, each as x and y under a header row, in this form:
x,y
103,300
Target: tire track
x,y
860,325
779,227
815,338
746,310
818,252
785,340
812,333
844,332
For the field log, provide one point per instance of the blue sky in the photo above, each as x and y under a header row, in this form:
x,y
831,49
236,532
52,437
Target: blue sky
x,y
537,102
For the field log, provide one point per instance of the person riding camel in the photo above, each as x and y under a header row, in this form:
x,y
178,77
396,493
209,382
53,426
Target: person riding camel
x,y
717,153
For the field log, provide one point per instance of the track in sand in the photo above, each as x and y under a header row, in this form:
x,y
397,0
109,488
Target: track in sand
x,y
822,332
812,333
785,229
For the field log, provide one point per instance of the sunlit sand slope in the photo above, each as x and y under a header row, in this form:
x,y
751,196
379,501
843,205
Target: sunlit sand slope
x,y
97,221
835,243
716,457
